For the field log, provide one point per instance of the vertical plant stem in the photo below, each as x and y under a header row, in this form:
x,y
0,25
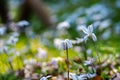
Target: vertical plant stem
x,y
67,63
10,64
97,54
85,48
0,76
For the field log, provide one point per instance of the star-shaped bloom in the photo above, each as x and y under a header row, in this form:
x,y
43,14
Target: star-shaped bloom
x,y
89,62
73,76
66,44
90,75
89,32
78,77
82,77
45,78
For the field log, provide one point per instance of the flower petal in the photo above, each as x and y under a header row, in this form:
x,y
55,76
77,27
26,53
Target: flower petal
x,y
69,43
94,37
86,38
90,28
84,29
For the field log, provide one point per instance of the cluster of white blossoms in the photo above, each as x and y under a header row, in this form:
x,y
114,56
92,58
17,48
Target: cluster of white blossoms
x,y
66,44
13,38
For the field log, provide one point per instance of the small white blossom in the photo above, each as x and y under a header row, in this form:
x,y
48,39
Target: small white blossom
x,y
89,32
57,42
42,54
89,51
23,23
89,62
4,49
15,34
81,20
66,44
64,24
54,62
82,77
73,76
45,78
2,30
89,75
12,40
106,35
30,61
105,24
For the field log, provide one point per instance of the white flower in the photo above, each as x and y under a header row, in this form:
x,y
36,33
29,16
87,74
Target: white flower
x,y
82,77
73,76
105,24
12,40
57,42
42,54
4,49
89,51
54,62
89,75
106,34
15,34
89,32
66,44
45,78
78,77
30,61
64,24
89,62
2,30
23,23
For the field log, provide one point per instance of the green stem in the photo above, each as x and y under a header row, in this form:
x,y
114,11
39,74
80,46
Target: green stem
x,y
97,54
67,62
10,64
85,48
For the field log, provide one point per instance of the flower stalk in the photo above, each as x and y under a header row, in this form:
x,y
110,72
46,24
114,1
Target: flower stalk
x,y
67,62
65,45
97,54
10,64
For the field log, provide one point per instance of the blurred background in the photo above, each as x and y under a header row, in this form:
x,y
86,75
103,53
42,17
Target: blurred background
x,y
31,30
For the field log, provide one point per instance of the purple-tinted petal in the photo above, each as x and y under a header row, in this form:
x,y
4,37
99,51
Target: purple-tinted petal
x,y
94,37
90,28
86,38
84,29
